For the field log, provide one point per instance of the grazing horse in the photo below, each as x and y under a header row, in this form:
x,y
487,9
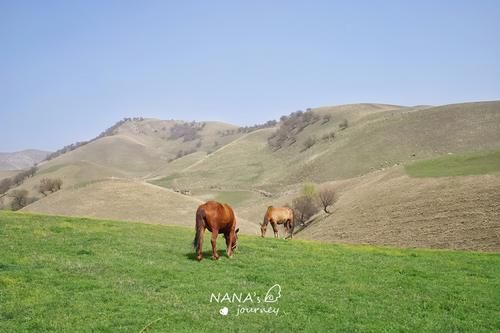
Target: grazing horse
x,y
278,215
218,219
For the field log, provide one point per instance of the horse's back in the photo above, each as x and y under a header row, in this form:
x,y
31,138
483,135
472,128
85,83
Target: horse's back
x,y
217,214
279,213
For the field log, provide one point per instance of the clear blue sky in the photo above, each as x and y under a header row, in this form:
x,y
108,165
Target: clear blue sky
x,y
69,69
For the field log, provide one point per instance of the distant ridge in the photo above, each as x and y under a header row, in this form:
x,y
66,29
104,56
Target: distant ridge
x,y
21,159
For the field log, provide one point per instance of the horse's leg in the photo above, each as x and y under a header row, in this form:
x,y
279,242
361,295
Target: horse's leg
x,y
275,229
215,233
229,245
290,228
199,246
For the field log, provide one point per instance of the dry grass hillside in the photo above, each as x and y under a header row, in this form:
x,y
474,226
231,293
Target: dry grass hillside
x,y
390,208
378,136
124,200
364,159
21,159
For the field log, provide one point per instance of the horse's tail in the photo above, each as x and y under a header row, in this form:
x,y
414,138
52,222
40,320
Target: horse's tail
x,y
200,223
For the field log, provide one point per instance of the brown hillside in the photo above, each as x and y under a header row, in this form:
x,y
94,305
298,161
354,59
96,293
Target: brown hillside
x,y
126,200
391,208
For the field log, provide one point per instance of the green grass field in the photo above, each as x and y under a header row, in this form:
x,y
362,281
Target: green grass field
x,y
60,274
457,165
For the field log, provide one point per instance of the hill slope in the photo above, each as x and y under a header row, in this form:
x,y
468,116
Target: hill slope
x,y
126,200
390,208
377,137
351,143
21,159
70,274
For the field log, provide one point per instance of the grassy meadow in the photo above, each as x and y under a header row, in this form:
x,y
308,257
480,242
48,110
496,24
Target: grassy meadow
x,y
61,274
457,165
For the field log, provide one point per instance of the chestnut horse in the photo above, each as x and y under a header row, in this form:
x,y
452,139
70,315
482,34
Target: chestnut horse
x,y
218,219
275,216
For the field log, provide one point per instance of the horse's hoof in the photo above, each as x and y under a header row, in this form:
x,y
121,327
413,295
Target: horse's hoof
x,y
199,258
215,258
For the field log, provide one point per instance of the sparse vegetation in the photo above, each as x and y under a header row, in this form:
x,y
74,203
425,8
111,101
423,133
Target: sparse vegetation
x,y
343,125
5,185
326,118
16,180
309,190
304,208
290,126
328,136
48,185
326,197
248,129
20,199
182,153
108,132
310,141
186,131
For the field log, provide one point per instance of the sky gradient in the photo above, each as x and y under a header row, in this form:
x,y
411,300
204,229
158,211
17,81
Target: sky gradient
x,y
70,69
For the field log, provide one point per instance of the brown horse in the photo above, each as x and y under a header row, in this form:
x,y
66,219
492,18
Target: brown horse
x,y
275,216
218,219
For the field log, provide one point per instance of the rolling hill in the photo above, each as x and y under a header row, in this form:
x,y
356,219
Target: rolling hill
x,y
21,159
361,149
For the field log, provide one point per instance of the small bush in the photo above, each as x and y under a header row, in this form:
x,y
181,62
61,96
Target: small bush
x,y
304,208
326,118
310,141
48,185
328,136
19,199
309,190
344,124
5,185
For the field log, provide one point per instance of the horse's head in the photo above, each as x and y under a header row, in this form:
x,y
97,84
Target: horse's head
x,y
263,229
235,238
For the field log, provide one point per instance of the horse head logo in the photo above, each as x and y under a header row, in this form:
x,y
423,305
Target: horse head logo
x,y
273,294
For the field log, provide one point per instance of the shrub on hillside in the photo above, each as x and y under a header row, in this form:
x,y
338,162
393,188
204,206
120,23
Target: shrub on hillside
x,y
304,208
290,126
309,190
326,197
48,185
186,131
326,118
19,199
344,124
248,129
5,185
310,141
328,136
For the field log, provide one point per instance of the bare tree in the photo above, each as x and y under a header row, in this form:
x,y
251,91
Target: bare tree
x,y
32,170
5,185
304,207
326,197
19,199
